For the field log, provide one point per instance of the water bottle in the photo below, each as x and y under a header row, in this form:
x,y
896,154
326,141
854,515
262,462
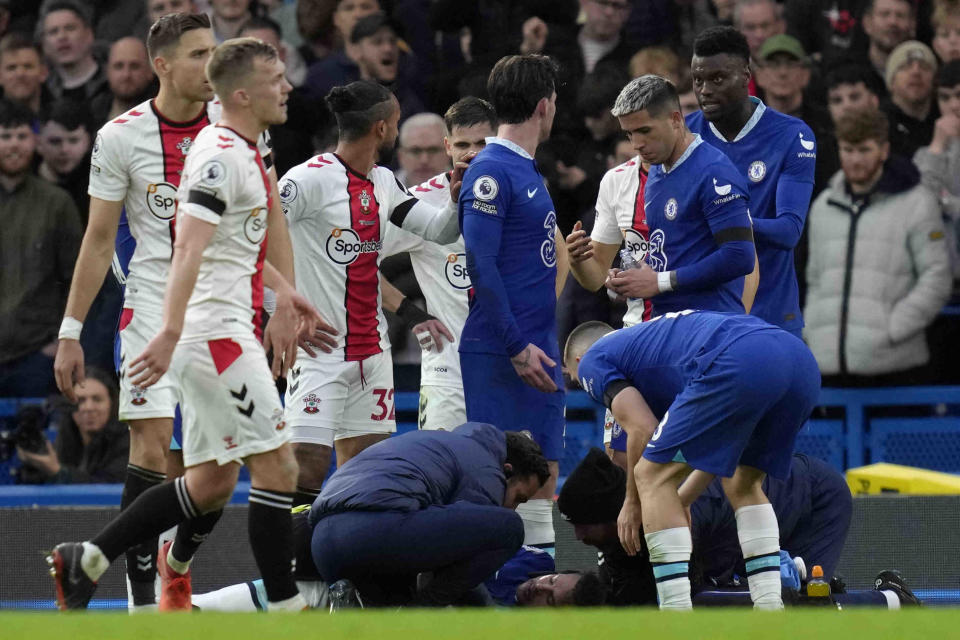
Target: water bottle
x,y
627,261
818,589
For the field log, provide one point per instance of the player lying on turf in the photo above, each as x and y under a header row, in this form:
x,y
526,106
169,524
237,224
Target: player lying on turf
x,y
813,506
723,394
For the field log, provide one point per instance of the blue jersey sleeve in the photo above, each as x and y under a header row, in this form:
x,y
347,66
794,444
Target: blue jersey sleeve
x,y
723,200
597,374
483,206
794,188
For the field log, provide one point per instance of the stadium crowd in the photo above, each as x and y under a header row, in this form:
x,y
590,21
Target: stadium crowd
x,y
814,145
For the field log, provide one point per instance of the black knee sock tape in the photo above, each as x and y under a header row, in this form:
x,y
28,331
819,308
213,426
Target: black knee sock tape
x,y
271,536
142,559
155,511
305,496
192,533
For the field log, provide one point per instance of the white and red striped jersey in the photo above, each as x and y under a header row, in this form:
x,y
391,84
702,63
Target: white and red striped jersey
x,y
621,218
225,183
138,158
441,271
338,221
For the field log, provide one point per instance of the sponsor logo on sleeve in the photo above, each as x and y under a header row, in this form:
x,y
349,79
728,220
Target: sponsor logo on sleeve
x,y
725,191
289,190
97,147
485,188
808,146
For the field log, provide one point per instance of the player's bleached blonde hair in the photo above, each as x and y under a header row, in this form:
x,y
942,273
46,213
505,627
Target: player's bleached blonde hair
x,y
583,337
233,60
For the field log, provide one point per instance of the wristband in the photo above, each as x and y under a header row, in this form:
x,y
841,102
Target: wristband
x,y
665,281
70,329
411,314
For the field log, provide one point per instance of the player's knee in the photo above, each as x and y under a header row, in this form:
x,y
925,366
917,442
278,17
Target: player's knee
x,y
313,461
213,493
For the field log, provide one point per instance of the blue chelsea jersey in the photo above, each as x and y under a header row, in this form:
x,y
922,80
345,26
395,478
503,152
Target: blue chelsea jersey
x,y
776,154
700,196
509,225
660,356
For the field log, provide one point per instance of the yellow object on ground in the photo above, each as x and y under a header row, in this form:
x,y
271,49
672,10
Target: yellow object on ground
x,y
895,478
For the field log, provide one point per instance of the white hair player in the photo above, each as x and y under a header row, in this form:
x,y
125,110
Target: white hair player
x,y
341,209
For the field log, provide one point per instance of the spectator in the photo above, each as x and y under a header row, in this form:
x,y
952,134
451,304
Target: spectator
x,y
130,78
227,17
315,24
339,66
156,9
23,72
67,37
851,88
378,56
939,163
688,100
878,272
887,24
946,29
758,20
115,19
659,61
92,445
38,248
827,29
421,152
63,145
270,32
911,108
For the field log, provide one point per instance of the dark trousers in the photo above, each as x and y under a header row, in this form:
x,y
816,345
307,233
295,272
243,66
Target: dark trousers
x,y
382,552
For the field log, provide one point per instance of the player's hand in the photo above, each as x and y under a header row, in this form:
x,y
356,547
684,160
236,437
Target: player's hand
x,y
529,365
150,365
295,322
456,176
634,283
579,246
430,334
535,33
68,367
629,525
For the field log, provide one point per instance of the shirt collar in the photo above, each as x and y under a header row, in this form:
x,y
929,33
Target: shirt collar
x,y
751,123
513,146
697,141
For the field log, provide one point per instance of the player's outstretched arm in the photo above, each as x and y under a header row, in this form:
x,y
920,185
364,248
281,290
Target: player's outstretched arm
x,y
193,236
428,329
96,253
634,415
589,260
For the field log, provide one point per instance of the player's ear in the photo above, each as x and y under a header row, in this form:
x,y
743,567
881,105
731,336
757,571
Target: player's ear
x,y
508,470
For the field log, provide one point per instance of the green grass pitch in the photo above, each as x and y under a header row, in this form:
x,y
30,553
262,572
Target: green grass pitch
x,y
601,624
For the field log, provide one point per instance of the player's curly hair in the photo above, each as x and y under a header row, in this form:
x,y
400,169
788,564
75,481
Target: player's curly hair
x,y
358,105
719,40
590,591
526,457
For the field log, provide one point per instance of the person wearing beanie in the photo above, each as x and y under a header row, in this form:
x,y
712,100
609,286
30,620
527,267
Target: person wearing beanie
x,y
813,506
911,107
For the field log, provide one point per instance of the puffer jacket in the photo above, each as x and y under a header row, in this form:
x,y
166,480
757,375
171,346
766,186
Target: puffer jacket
x,y
419,469
878,274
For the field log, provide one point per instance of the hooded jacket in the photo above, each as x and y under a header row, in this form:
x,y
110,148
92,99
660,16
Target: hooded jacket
x,y
878,274
418,470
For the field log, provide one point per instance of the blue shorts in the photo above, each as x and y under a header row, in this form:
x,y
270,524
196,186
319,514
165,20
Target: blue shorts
x,y
495,394
745,408
618,438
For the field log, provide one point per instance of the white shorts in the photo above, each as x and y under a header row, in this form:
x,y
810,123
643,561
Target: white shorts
x,y
330,400
160,399
441,408
231,409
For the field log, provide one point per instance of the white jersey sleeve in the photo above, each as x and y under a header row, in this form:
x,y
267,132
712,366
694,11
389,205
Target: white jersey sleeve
x,y
436,224
607,227
213,182
109,179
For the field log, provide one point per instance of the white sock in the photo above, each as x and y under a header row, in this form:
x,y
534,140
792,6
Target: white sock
x,y
176,565
670,551
537,516
93,562
893,600
760,542
294,604
236,597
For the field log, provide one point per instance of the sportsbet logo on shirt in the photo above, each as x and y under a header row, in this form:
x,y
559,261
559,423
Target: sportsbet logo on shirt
x,y
344,246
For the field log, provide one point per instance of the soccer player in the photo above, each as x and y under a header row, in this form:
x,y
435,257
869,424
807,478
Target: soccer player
x,y
232,414
441,271
700,244
777,155
341,207
508,348
708,391
136,165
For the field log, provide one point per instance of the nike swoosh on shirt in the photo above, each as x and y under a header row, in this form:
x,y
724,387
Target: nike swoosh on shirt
x,y
651,446
530,194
